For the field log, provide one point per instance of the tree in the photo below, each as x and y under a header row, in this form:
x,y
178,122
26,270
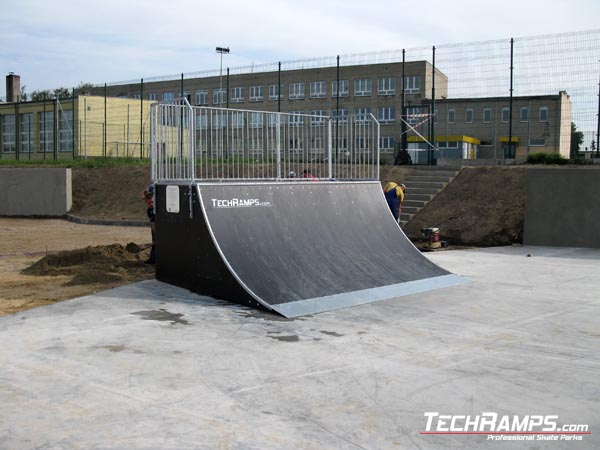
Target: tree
x,y
84,88
23,94
576,140
44,94
49,94
62,93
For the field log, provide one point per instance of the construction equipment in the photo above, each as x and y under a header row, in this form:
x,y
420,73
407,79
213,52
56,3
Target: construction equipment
x,y
430,239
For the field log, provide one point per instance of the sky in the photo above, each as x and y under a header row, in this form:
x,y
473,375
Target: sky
x,y
61,43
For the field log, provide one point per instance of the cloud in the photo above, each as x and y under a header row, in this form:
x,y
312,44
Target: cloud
x,y
63,42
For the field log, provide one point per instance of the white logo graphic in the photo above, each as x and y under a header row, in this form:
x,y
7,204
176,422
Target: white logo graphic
x,y
238,203
504,427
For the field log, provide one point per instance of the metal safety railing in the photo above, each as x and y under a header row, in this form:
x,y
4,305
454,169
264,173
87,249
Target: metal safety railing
x,y
202,143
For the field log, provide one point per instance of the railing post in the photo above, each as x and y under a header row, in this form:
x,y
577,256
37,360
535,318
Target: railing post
x,y
278,145
153,154
329,145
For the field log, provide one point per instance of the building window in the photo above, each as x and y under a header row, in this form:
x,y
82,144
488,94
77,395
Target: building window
x,y
343,88
46,124
444,144
237,95
219,96
524,114
362,114
136,96
237,119
202,120
362,88
151,96
543,114
451,116
362,143
168,96
8,133
412,85
537,142
469,115
505,114
318,117
342,143
255,120
187,96
65,131
318,89
218,119
435,116
276,120
296,118
296,91
387,143
386,86
275,92
27,132
340,114
487,115
202,97
387,114
413,114
256,94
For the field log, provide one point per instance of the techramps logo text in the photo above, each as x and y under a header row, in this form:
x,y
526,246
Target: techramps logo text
x,y
239,203
504,427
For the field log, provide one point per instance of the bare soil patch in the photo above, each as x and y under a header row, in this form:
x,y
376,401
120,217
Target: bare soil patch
x,y
43,261
47,260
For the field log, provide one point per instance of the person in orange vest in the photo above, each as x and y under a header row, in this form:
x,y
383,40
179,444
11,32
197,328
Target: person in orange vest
x,y
394,196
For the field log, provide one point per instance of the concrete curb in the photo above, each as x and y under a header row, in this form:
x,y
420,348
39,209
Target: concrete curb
x,y
119,223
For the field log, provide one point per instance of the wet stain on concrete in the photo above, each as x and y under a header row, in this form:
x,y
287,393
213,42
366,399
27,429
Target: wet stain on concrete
x,y
115,348
331,333
162,315
120,348
290,338
256,314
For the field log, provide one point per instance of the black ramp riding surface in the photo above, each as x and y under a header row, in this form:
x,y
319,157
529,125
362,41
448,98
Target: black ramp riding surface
x,y
307,247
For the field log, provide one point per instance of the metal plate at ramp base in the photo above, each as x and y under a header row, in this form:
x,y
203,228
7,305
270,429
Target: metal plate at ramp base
x,y
348,299
306,247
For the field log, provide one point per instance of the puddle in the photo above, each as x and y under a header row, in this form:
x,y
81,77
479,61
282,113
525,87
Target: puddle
x,y
115,348
331,333
291,338
162,315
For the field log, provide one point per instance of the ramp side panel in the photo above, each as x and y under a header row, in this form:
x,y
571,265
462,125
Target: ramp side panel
x,y
186,255
301,241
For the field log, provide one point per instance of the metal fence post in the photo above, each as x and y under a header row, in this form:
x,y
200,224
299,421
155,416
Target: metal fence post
x,y
278,145
141,118
105,123
432,112
329,146
510,106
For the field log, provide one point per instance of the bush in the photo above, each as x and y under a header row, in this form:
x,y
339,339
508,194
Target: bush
x,y
546,158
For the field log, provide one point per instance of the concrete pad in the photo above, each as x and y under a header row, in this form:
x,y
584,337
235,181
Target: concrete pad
x,y
151,366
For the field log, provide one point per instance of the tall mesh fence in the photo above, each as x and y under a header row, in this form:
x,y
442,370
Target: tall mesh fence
x,y
499,99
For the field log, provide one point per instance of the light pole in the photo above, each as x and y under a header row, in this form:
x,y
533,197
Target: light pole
x,y
221,50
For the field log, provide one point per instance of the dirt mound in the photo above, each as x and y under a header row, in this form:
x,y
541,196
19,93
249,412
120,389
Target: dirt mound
x,y
100,264
111,193
483,206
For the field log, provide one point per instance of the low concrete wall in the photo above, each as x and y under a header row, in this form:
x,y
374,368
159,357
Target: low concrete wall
x,y
35,192
562,207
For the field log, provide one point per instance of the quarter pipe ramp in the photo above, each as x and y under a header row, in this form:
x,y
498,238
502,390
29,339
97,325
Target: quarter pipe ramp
x,y
295,248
